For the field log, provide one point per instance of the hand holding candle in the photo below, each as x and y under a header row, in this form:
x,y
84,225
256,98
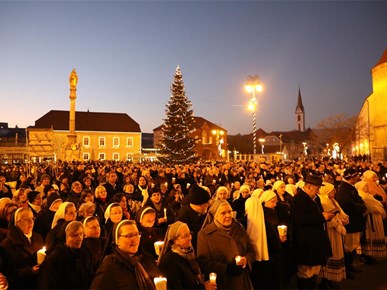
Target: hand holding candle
x,y
240,261
158,247
165,212
41,255
160,283
213,278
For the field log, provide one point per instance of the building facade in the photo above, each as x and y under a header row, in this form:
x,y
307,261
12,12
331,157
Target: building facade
x,y
371,124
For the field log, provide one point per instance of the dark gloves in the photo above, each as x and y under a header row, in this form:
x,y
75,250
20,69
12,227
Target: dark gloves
x,y
233,269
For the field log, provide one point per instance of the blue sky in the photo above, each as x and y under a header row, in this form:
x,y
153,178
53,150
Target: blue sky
x,y
126,53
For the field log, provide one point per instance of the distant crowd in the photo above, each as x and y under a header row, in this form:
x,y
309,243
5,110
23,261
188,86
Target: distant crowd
x,y
203,225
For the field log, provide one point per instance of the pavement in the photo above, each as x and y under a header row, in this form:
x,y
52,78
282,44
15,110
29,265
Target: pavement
x,y
371,276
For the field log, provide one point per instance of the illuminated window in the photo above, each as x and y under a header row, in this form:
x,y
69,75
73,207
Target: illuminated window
x,y
116,142
101,156
129,142
86,141
204,137
86,156
116,156
102,141
129,157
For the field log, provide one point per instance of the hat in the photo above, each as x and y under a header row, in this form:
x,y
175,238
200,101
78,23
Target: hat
x,y
198,195
350,172
32,195
314,179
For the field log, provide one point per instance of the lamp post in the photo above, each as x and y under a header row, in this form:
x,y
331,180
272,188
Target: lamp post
x,y
253,85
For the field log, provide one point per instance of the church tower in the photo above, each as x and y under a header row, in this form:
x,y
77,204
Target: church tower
x,y
300,114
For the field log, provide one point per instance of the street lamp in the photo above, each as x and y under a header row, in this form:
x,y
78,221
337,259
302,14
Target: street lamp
x,y
253,85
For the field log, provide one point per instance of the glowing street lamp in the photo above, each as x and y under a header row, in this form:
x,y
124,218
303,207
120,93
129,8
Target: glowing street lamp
x,y
253,85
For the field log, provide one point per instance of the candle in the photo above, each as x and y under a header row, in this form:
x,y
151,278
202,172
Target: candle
x,y
238,259
188,185
282,230
41,255
213,278
165,212
158,247
166,184
160,283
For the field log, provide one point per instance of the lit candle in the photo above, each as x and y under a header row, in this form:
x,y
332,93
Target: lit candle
x,y
213,278
165,212
188,185
41,255
282,230
160,283
238,259
158,247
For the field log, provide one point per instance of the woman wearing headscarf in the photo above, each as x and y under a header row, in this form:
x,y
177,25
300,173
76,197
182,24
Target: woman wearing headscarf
x,y
224,247
372,242
68,267
238,204
334,271
20,197
146,218
221,193
20,248
374,188
164,214
113,215
66,213
178,260
125,267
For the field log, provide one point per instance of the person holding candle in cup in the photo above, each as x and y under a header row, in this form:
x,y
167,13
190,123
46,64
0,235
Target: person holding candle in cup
x,y
20,248
178,260
225,248
126,267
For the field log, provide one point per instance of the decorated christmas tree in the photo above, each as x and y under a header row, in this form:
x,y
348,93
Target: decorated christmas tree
x,y
176,144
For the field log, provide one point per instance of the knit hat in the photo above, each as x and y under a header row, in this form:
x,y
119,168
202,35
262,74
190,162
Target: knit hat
x,y
198,195
32,195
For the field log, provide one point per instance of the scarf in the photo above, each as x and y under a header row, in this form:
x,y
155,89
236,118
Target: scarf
x,y
36,208
189,255
143,280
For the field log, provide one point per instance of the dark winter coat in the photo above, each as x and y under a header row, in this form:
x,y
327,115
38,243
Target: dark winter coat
x,y
65,268
43,222
193,219
116,272
20,257
178,272
217,249
353,205
310,238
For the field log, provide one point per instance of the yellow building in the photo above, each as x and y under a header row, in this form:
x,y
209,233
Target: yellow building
x,y
99,136
371,125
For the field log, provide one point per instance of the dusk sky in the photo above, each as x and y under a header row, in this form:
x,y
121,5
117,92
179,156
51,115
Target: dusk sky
x,y
126,53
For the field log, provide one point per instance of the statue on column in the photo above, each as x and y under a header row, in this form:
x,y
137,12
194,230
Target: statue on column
x,y
73,79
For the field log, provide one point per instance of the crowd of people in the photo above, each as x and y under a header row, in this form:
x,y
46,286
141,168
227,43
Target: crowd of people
x,y
221,225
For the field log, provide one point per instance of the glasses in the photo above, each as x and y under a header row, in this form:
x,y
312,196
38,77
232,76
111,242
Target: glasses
x,y
27,220
131,236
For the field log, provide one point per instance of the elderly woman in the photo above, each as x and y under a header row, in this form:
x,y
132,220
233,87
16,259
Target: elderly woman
x,y
225,248
20,197
113,215
374,188
125,267
20,247
334,271
66,213
178,260
101,202
86,209
372,243
221,193
46,216
68,267
35,201
239,204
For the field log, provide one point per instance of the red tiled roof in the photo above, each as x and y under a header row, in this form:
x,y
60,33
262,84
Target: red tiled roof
x,y
383,59
199,121
89,121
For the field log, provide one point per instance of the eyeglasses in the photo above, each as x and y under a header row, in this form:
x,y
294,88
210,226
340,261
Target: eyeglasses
x,y
131,236
27,220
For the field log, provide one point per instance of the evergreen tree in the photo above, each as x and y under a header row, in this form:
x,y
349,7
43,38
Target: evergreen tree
x,y
176,144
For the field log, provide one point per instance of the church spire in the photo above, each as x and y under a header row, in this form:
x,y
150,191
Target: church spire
x,y
300,113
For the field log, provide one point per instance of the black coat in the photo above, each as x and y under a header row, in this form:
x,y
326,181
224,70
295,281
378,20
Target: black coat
x,y
43,222
310,238
65,268
193,219
116,272
353,205
20,257
178,272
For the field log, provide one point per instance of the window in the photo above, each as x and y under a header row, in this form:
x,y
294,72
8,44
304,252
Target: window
x,y
210,140
116,156
129,142
102,141
204,137
101,156
86,156
298,118
86,141
116,142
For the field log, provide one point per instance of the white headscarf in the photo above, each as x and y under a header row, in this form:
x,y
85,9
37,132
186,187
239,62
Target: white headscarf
x,y
60,213
256,228
108,209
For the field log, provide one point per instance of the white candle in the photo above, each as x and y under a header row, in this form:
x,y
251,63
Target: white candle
x,y
282,230
165,212
238,259
41,255
188,185
213,278
160,283
158,247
